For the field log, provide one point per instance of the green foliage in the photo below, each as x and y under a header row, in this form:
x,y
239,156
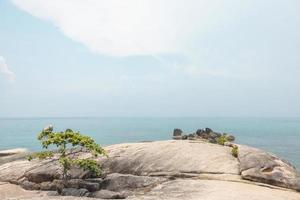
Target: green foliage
x,y
235,151
68,158
41,155
222,139
90,165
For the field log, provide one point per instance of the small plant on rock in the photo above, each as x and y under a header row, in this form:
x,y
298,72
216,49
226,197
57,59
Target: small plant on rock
x,y
67,158
222,139
235,151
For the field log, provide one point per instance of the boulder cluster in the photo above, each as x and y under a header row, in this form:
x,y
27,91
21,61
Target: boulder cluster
x,y
206,134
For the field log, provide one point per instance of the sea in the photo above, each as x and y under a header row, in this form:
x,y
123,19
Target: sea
x,y
280,136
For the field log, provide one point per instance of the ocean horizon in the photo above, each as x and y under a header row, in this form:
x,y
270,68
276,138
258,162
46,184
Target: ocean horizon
x,y
277,135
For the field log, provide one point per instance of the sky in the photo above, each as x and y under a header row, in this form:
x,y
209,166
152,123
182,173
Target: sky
x,y
149,58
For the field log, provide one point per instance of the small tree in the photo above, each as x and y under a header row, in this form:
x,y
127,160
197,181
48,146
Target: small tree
x,y
67,157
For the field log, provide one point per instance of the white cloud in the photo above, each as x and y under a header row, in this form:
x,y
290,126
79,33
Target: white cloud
x,y
214,37
5,70
128,27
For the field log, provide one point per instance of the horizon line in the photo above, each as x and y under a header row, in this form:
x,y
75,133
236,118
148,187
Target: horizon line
x,y
80,117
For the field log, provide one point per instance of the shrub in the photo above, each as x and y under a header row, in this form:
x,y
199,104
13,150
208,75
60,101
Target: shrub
x,y
222,139
235,151
68,158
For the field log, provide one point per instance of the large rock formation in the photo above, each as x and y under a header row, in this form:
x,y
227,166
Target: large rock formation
x,y
177,169
12,154
257,165
170,157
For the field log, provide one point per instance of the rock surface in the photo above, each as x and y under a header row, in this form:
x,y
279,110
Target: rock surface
x,y
214,190
81,192
127,182
180,189
12,155
11,152
257,165
175,156
107,194
177,169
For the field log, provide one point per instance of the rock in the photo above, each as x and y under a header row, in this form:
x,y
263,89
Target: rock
x,y
171,166
205,136
213,135
177,132
36,171
184,137
78,173
218,134
48,186
260,166
230,138
229,144
27,185
174,156
52,193
13,172
11,152
106,194
184,157
199,132
15,192
52,170
179,189
44,173
191,137
75,192
189,189
208,130
95,180
12,155
212,140
121,182
79,183
58,185
178,137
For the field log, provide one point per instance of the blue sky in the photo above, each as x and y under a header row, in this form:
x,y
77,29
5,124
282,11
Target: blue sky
x,y
149,58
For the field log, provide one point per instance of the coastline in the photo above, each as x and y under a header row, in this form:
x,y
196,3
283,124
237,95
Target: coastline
x,y
277,135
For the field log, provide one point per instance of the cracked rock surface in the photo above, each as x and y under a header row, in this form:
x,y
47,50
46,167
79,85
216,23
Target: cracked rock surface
x,y
257,165
175,169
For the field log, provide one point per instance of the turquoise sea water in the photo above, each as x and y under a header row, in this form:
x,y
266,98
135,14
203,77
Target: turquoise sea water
x,y
278,135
